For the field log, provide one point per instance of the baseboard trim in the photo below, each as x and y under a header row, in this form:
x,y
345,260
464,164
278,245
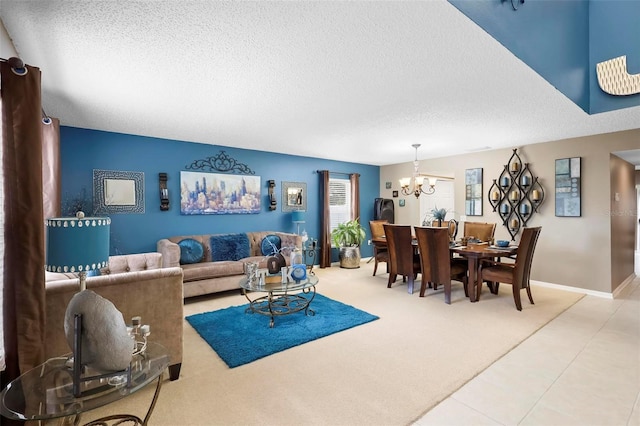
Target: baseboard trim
x,y
588,292
622,287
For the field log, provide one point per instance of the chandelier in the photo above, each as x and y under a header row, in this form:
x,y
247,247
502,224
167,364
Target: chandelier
x,y
415,184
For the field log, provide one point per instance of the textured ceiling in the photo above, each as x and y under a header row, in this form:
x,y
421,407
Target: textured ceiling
x,y
351,81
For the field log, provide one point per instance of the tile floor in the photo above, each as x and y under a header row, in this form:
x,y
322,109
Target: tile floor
x,y
583,368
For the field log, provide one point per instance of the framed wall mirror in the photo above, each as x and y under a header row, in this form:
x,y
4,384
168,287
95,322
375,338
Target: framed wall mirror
x,y
294,196
118,192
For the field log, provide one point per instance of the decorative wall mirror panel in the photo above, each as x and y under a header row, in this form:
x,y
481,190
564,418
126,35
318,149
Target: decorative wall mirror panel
x,y
294,196
118,192
568,200
473,192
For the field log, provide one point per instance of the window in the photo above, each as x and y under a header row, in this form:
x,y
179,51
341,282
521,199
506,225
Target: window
x,y
339,201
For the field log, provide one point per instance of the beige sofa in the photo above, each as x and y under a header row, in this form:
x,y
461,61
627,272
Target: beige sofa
x,y
212,273
138,286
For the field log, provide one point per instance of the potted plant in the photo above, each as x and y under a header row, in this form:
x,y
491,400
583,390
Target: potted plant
x,y
439,214
348,236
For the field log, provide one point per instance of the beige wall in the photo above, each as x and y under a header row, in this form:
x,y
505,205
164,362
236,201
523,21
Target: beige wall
x,y
571,251
623,210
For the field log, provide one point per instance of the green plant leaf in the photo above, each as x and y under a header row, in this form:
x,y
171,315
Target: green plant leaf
x,y
348,234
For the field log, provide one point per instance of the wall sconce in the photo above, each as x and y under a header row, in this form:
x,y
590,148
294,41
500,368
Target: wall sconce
x,y
516,194
164,191
273,203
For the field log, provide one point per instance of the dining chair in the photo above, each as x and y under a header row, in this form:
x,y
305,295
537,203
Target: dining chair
x,y
403,259
451,225
480,230
436,262
380,251
515,273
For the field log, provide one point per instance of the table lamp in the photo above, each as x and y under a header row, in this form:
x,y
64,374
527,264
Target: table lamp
x,y
77,245
297,217
94,327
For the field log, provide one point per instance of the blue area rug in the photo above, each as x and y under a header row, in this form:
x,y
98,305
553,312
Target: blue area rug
x,y
239,337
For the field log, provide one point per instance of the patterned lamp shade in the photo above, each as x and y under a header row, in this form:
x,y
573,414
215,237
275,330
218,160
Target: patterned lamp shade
x,y
77,244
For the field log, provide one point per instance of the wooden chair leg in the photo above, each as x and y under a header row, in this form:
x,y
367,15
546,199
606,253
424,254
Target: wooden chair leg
x,y
392,279
375,267
516,297
447,292
529,294
423,288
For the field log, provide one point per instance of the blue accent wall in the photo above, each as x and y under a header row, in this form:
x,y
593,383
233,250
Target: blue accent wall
x,y
83,150
563,40
551,37
614,30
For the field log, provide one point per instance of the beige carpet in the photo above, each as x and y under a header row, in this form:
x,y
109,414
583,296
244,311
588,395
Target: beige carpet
x,y
387,372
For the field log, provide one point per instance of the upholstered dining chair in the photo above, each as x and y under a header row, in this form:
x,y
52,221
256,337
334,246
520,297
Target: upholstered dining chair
x,y
403,259
515,273
436,262
380,251
451,225
479,230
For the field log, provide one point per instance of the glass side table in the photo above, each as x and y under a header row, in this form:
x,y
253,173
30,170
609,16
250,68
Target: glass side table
x,y
310,254
46,391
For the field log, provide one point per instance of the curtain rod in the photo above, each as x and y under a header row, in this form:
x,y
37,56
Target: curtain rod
x,y
337,173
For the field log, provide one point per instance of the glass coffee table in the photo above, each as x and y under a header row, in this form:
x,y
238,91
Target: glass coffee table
x,y
46,391
281,298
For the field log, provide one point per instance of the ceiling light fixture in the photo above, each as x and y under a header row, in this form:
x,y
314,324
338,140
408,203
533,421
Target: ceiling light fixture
x,y
417,181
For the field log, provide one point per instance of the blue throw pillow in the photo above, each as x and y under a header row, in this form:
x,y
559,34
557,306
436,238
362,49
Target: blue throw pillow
x,y
93,273
191,251
230,247
271,244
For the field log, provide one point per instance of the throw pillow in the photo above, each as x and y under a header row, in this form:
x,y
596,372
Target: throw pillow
x,y
191,251
271,244
230,247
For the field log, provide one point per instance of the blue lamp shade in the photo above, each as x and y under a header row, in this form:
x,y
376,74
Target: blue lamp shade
x,y
297,216
77,245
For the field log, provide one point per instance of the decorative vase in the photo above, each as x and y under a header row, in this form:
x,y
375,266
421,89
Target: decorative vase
x,y
350,257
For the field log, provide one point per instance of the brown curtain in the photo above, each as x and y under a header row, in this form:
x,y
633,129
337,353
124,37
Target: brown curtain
x,y
325,221
51,168
24,221
354,178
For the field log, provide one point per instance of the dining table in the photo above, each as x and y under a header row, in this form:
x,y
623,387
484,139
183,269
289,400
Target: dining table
x,y
473,253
